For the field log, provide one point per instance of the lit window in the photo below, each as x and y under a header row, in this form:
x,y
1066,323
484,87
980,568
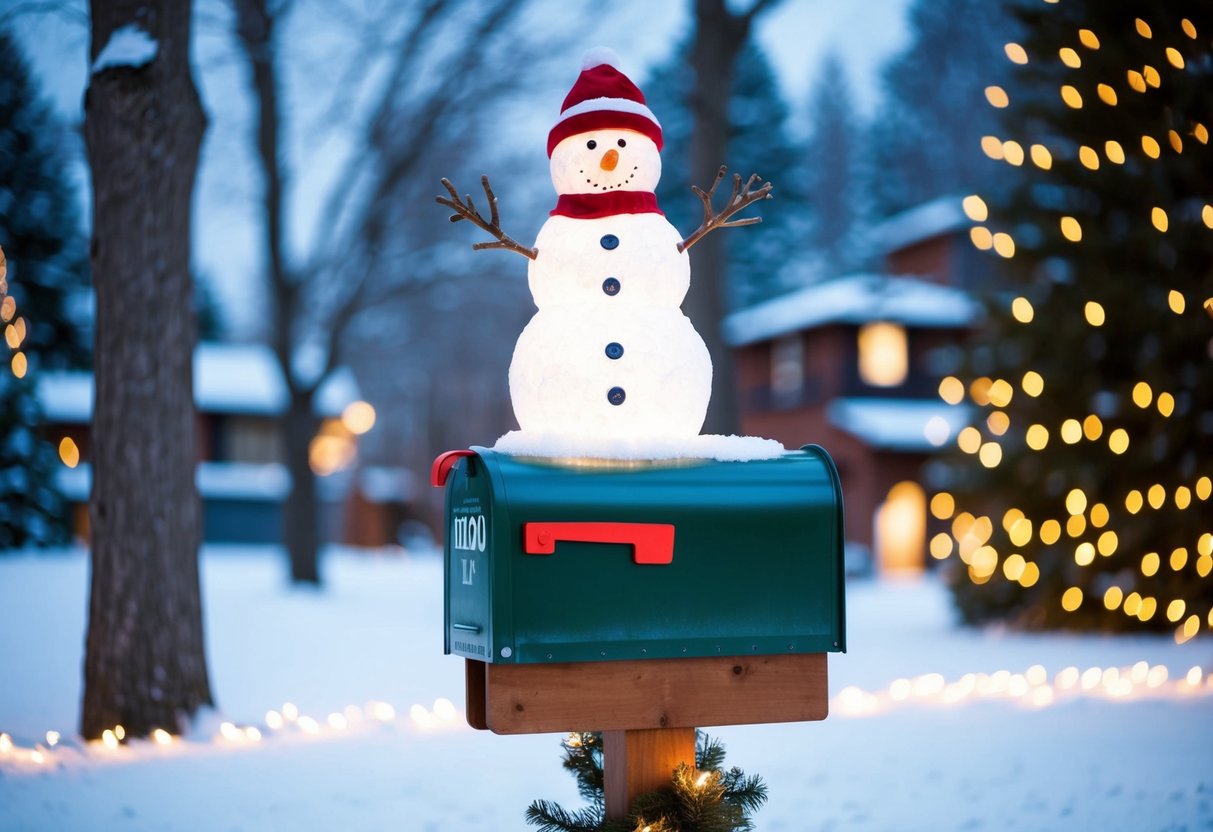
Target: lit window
x,y
884,359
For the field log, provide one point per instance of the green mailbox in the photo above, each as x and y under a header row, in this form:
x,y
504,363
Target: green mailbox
x,y
550,561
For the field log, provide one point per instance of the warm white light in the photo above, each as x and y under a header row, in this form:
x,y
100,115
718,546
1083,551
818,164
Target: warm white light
x,y
901,522
161,737
308,725
274,720
358,417
382,711
290,712
883,354
444,709
52,738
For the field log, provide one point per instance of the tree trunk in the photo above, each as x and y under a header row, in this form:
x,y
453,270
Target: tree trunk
x,y
300,524
255,27
145,662
719,37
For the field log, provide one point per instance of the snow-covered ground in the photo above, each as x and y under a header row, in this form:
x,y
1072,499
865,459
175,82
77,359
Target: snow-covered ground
x,y
379,742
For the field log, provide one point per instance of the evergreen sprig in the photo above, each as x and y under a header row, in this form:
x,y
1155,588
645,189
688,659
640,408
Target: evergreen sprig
x,y
706,798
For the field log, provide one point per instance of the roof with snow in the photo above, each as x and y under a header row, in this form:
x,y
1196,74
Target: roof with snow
x,y
942,215
228,378
854,299
241,481
899,424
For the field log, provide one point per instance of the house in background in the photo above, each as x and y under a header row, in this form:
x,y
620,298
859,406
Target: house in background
x,y
851,363
239,393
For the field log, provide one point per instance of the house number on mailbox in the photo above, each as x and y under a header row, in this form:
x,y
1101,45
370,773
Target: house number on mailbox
x,y
468,534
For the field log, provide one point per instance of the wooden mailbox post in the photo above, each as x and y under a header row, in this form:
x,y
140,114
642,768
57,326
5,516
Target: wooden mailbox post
x,y
647,710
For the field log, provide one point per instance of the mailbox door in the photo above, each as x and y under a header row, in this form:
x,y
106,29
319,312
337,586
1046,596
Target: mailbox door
x,y
468,551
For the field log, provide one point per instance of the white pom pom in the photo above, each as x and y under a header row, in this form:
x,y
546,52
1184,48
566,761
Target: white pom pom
x,y
598,56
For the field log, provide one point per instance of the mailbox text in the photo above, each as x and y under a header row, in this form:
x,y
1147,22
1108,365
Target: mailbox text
x,y
468,533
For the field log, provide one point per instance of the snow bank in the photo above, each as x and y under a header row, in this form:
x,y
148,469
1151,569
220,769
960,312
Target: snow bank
x,y
710,446
1089,760
129,46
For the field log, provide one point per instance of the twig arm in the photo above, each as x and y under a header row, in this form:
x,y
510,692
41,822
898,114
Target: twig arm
x,y
740,198
465,210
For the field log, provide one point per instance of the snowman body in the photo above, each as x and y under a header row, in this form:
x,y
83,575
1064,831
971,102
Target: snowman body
x,y
609,354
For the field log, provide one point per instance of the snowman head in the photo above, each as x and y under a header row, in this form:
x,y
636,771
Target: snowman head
x,y
606,139
601,161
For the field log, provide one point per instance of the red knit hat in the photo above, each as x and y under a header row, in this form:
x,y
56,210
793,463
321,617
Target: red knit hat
x,y
603,97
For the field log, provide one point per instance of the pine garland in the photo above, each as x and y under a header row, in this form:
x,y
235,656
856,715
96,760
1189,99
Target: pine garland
x,y
706,798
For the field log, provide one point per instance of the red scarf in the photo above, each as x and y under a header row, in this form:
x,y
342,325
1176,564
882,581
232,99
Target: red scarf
x,y
593,206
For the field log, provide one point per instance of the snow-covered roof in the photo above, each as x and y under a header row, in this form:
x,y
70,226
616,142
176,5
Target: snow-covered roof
x,y
248,481
228,378
855,299
918,224
269,481
899,424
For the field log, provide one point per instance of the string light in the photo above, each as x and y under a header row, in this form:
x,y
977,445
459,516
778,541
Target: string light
x,y
992,147
975,208
997,97
1030,689
1016,53
1071,230
1012,152
1021,307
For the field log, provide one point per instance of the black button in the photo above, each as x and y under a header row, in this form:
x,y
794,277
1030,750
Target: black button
x,y
616,395
610,286
609,241
614,350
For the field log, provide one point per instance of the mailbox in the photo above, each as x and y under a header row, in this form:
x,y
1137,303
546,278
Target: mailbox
x,y
553,561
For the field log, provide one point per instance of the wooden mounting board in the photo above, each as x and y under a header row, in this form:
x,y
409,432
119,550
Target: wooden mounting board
x,y
654,693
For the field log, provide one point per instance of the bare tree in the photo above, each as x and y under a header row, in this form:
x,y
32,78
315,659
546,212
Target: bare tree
x,y
444,61
145,663
719,37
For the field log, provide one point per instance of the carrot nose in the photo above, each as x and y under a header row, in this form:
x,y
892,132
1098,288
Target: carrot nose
x,y
609,159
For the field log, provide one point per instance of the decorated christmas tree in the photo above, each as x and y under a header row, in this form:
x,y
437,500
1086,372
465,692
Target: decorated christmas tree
x,y
1081,493
44,279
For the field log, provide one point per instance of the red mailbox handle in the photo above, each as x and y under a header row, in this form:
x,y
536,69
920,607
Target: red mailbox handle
x,y
651,542
443,464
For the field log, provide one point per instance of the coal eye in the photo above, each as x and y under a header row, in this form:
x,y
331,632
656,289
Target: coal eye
x,y
591,144
622,143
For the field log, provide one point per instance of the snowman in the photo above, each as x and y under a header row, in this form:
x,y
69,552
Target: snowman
x,y
609,359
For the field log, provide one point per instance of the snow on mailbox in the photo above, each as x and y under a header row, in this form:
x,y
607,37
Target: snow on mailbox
x,y
555,562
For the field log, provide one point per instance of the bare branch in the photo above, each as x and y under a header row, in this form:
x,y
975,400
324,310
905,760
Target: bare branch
x,y
467,211
740,198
